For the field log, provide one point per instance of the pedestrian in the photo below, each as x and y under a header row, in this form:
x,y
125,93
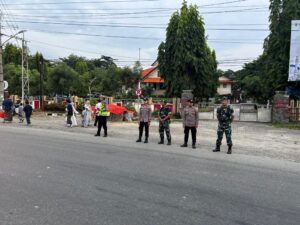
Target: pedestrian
x,y
84,118
96,112
225,117
164,118
69,113
28,112
103,113
7,106
190,123
144,120
73,118
88,109
21,112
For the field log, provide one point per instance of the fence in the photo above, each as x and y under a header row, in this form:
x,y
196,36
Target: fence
x,y
294,111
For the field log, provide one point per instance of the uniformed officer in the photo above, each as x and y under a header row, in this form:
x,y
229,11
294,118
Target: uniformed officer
x,y
102,112
164,118
144,120
225,117
190,119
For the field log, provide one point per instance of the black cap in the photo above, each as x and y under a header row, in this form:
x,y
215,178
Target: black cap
x,y
190,100
224,99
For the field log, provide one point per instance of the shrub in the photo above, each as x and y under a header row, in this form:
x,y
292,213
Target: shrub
x,y
55,107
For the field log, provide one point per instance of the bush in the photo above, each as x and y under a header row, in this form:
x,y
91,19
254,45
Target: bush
x,y
176,116
55,107
155,113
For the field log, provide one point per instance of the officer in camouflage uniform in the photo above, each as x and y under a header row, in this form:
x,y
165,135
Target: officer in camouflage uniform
x,y
164,117
225,117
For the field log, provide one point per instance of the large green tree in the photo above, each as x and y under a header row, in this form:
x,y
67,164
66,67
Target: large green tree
x,y
185,60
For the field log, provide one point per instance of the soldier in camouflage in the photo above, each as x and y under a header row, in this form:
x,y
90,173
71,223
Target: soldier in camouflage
x,y
225,117
164,117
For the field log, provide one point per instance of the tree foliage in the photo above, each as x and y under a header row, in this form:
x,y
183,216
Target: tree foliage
x,y
185,60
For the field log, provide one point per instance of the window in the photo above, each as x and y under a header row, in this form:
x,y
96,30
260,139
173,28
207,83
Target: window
x,y
224,85
158,74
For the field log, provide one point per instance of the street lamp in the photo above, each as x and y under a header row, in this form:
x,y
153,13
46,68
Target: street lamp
x,y
1,62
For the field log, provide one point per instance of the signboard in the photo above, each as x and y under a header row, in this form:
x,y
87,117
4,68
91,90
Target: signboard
x,y
294,67
5,85
138,92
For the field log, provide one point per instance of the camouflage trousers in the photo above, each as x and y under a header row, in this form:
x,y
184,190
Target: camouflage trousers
x,y
164,127
224,128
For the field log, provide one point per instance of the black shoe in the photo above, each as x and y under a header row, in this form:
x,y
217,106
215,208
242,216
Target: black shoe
x,y
229,149
169,143
184,145
146,141
194,146
97,135
217,149
139,140
161,142
105,135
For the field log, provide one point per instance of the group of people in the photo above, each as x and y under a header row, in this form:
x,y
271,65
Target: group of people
x,y
190,121
10,109
71,114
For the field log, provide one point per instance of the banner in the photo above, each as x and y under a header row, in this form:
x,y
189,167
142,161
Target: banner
x,y
294,68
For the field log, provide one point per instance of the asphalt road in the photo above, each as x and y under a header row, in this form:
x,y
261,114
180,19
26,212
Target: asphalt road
x,y
52,177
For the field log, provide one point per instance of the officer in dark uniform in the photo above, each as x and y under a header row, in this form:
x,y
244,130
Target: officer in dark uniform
x,y
164,117
225,117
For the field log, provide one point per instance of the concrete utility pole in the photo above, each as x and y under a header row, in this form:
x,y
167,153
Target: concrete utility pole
x,y
41,63
25,74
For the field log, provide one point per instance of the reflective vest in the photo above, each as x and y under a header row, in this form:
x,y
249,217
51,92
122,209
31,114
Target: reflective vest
x,y
102,110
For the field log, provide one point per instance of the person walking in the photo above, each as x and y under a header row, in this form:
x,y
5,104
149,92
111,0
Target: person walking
x,y
190,123
88,109
28,112
144,120
164,118
225,117
69,112
73,118
7,106
103,113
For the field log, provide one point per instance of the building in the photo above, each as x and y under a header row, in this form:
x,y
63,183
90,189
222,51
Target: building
x,y
151,78
225,86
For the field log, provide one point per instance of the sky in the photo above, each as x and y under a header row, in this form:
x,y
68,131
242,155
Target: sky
x,y
127,29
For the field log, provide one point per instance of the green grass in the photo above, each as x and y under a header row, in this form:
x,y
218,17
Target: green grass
x,y
292,126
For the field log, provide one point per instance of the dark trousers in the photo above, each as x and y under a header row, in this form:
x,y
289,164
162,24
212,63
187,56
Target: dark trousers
x,y
102,122
141,129
28,119
96,120
186,134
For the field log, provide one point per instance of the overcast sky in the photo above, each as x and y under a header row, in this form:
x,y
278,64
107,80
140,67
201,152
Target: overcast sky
x,y
236,29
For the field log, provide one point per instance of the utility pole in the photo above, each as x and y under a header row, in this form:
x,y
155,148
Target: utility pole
x,y
25,73
1,65
41,63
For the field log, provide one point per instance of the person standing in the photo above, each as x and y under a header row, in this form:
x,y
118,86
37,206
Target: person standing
x,y
28,112
190,123
225,117
69,112
164,118
73,118
102,112
88,109
7,106
96,112
144,120
20,112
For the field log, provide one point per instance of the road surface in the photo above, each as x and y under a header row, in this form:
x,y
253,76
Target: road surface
x,y
50,177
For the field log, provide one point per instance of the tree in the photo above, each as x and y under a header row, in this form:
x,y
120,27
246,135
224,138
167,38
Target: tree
x,y
185,60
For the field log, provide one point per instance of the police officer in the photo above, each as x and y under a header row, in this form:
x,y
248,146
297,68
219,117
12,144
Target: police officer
x,y
164,117
225,117
190,119
102,112
145,120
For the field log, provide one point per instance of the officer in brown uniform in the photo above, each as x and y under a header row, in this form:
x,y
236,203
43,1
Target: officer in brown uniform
x,y
190,122
145,119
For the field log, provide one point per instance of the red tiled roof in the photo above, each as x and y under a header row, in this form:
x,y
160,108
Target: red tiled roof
x,y
146,72
226,81
153,80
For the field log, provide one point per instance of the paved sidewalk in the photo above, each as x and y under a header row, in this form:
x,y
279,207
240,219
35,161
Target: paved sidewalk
x,y
248,138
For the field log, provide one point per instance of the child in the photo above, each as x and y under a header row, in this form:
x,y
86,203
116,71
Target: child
x,y
84,116
28,111
20,112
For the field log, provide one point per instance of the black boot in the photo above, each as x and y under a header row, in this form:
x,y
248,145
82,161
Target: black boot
x,y
139,140
161,141
229,149
184,145
146,140
169,142
217,149
194,146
